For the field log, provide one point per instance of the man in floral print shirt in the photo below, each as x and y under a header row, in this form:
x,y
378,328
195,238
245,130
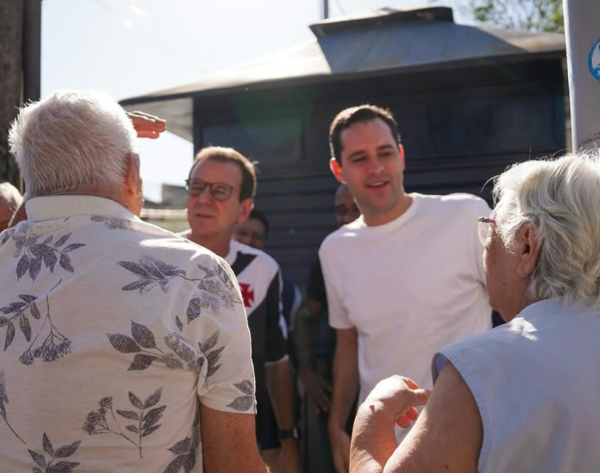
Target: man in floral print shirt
x,y
125,347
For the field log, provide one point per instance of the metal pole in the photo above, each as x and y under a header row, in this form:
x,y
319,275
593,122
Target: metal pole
x,y
32,48
11,20
583,58
325,9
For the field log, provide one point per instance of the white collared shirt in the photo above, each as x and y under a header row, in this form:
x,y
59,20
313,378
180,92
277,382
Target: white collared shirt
x,y
112,329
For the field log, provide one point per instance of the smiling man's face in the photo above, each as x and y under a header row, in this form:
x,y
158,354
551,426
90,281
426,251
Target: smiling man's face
x,y
209,217
372,167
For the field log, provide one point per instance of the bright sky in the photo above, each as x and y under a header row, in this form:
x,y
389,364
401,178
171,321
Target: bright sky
x,y
130,47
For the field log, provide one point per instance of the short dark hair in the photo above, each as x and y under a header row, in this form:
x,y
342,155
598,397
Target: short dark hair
x,y
362,113
229,155
261,217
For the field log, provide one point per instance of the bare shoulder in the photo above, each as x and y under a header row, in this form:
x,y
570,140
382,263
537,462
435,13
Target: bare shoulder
x,y
449,433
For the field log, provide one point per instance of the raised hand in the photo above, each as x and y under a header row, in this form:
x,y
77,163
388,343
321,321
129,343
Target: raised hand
x,y
398,396
147,126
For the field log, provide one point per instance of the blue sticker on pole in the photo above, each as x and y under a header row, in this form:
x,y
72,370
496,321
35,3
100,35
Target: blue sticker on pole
x,y
594,60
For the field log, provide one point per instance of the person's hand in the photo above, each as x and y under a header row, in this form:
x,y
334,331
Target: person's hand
x,y
289,457
397,397
317,389
340,450
147,126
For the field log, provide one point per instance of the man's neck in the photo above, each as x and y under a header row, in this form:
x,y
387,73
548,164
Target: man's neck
x,y
218,244
117,197
376,219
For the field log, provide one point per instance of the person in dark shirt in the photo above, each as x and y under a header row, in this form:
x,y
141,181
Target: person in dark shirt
x,y
315,347
254,232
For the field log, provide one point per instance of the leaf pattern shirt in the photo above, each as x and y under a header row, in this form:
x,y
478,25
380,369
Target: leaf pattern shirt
x,y
112,332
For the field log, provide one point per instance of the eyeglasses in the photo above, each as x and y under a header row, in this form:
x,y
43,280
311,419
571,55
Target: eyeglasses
x,y
218,190
484,228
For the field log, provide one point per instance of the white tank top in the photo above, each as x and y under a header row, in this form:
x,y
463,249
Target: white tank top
x,y
536,382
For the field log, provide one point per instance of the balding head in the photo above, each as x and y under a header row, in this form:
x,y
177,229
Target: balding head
x,y
10,200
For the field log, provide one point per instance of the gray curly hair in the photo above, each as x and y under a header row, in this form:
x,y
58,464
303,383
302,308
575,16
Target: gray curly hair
x,y
561,198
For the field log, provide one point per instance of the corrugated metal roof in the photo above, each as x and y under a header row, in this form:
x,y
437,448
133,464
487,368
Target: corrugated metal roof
x,y
387,41
381,17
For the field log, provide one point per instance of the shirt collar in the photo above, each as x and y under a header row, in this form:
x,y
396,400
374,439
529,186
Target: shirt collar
x,y
63,206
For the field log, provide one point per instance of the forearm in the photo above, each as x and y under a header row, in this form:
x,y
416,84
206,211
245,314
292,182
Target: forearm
x,y
280,386
345,387
229,442
373,440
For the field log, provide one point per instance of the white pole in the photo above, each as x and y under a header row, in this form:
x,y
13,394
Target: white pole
x,y
582,29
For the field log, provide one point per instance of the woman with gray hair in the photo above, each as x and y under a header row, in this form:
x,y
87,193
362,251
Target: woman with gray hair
x,y
524,397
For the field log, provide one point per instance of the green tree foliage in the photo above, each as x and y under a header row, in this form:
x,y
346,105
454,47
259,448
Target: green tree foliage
x,y
530,15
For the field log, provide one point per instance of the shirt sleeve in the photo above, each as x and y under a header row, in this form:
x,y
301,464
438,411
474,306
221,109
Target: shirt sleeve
x,y
276,345
338,315
217,329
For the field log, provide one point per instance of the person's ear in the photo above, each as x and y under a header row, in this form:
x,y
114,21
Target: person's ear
x,y
246,207
132,175
336,169
402,156
528,250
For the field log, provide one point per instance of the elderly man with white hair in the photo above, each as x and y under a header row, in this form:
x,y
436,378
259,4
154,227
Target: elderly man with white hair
x,y
10,200
125,347
523,397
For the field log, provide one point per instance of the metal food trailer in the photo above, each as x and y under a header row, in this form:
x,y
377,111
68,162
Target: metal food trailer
x,y
469,101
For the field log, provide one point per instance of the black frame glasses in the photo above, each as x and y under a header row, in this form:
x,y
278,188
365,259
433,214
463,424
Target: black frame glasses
x,y
218,190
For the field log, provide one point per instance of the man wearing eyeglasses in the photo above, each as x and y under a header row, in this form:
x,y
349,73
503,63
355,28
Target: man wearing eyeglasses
x,y
221,188
404,279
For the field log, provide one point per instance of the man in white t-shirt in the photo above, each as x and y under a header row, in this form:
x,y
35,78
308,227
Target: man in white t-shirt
x,y
221,188
404,279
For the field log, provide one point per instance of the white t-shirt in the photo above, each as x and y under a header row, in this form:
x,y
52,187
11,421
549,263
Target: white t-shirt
x,y
409,287
112,330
